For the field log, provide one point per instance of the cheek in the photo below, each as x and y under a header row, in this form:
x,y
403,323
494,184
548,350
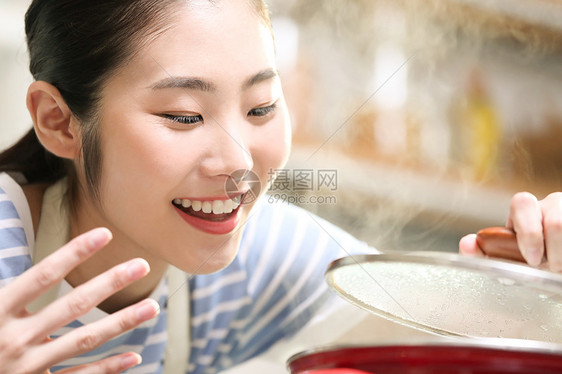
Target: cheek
x,y
138,160
284,140
140,144
132,156
273,147
275,144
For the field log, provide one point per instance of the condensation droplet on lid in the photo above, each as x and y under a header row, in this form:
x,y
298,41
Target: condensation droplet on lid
x,y
506,281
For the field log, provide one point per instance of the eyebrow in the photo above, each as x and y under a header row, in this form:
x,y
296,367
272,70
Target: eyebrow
x,y
198,84
189,83
260,77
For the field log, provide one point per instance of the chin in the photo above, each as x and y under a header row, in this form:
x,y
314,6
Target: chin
x,y
212,267
211,261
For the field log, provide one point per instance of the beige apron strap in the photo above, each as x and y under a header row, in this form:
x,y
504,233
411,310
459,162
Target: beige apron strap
x,y
52,234
177,349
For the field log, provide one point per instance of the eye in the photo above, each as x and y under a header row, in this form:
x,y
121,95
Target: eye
x,y
186,120
263,111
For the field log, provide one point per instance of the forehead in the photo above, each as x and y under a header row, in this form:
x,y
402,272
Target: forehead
x,y
218,39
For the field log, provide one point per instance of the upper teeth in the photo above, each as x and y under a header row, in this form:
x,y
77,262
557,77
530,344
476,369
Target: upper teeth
x,y
215,206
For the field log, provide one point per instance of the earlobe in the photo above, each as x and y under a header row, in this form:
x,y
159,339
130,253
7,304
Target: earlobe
x,y
55,125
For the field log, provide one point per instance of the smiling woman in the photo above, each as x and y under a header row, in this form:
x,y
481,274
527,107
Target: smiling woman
x,y
140,135
143,111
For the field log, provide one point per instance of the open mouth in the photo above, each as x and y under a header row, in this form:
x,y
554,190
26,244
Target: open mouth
x,y
210,210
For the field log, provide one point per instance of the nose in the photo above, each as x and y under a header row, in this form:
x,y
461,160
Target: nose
x,y
228,152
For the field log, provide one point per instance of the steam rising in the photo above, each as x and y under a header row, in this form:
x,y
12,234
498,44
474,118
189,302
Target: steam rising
x,y
513,46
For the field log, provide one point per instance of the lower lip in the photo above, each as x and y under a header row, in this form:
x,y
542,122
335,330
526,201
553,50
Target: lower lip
x,y
212,227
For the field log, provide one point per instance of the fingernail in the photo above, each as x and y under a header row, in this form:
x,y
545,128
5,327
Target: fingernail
x,y
131,360
137,268
533,256
99,238
148,309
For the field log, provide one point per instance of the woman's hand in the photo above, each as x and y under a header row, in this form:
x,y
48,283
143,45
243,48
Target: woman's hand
x,y
25,346
538,226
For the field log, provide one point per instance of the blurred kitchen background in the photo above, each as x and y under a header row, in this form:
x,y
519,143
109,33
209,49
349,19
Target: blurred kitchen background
x,y
432,113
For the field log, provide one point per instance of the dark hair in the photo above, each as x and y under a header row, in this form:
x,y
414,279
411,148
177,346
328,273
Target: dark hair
x,y
76,45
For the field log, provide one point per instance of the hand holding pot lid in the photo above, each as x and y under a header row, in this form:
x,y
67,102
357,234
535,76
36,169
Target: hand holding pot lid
x,y
533,233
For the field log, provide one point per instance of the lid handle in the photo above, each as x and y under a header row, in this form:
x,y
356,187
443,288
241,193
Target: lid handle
x,y
499,242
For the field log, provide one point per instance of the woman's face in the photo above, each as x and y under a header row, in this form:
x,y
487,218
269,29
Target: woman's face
x,y
199,102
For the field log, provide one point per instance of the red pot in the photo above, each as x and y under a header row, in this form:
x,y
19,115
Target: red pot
x,y
427,359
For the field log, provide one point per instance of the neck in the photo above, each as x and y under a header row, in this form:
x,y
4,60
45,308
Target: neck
x,y
120,249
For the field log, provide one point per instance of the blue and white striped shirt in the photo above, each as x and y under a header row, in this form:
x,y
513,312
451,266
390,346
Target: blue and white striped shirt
x,y
14,248
270,291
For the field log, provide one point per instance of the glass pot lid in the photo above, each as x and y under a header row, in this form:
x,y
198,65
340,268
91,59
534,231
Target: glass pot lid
x,y
454,295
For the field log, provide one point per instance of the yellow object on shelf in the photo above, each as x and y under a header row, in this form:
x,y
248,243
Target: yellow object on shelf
x,y
482,128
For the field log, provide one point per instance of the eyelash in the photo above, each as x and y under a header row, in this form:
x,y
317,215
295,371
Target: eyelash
x,y
263,111
186,120
192,120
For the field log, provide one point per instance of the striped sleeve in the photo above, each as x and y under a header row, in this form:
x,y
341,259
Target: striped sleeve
x,y
14,249
272,289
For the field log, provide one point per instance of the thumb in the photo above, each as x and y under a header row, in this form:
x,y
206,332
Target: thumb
x,y
469,246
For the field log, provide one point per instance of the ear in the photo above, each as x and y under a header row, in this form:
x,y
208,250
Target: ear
x,y
55,125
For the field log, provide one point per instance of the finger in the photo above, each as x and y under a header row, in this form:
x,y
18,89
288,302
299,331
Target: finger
x,y
552,222
110,365
469,246
52,269
91,336
87,296
525,219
